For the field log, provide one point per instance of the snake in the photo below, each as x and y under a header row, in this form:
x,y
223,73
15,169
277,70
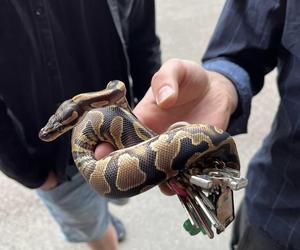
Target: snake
x,y
143,159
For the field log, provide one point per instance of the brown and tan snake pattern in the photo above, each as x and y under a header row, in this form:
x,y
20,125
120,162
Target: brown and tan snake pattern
x,y
142,159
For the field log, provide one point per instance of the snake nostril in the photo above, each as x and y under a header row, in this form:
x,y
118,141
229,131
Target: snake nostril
x,y
43,135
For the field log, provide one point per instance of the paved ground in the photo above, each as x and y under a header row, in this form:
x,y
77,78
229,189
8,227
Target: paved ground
x,y
153,221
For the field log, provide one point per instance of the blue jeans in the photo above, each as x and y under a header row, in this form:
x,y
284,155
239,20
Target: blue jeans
x,y
81,213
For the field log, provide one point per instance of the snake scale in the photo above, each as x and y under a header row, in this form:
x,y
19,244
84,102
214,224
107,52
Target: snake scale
x,y
143,159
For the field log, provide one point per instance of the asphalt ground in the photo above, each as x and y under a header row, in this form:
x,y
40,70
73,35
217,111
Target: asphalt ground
x,y
153,221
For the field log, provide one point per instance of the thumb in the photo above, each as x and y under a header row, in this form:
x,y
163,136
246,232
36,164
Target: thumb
x,y
165,83
175,74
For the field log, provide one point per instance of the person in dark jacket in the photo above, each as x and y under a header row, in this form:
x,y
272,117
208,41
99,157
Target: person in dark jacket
x,y
251,38
49,52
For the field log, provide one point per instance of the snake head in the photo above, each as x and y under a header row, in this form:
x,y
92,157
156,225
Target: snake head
x,y
65,118
72,111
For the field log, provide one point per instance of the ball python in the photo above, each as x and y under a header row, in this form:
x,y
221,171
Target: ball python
x,y
143,159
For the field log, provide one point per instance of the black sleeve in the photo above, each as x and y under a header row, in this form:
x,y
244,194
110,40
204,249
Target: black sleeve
x,y
143,46
15,161
249,34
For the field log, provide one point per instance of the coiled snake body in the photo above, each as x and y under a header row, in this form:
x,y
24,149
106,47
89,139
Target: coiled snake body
x,y
143,159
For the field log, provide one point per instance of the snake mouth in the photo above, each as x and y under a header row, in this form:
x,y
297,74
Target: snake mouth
x,y
50,134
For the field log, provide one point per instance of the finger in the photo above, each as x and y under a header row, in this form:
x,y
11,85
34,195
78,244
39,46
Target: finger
x,y
178,82
103,150
164,83
165,189
150,115
51,181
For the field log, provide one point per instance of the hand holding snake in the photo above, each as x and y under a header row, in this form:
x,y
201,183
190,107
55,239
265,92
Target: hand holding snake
x,y
195,96
144,159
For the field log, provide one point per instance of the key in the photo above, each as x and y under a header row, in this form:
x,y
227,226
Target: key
x,y
200,209
187,225
222,196
207,196
181,194
190,214
196,219
202,181
206,201
209,213
225,207
237,183
227,178
203,210
200,217
218,177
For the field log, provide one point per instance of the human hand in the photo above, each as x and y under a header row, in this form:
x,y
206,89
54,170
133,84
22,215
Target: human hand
x,y
183,91
51,181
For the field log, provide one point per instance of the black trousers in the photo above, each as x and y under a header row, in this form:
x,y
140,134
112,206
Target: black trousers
x,y
246,237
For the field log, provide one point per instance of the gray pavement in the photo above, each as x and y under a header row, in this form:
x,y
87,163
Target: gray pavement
x,y
153,221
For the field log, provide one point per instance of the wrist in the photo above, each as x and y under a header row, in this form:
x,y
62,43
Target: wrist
x,y
229,89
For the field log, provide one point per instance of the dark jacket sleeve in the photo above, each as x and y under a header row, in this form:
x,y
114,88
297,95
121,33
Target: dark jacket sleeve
x,y
15,161
248,33
245,47
143,45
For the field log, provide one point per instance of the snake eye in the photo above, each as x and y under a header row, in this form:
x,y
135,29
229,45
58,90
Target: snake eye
x,y
71,119
59,128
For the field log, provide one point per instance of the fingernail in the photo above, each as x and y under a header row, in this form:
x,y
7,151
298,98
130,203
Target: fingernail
x,y
164,93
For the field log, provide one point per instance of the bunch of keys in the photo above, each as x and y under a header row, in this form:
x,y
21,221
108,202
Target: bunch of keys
x,y
207,197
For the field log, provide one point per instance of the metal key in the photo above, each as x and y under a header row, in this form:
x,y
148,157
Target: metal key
x,y
226,180
209,213
205,205
208,198
202,181
200,210
218,177
195,217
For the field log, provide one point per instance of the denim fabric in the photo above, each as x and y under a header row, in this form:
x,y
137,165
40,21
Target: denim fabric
x,y
81,213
